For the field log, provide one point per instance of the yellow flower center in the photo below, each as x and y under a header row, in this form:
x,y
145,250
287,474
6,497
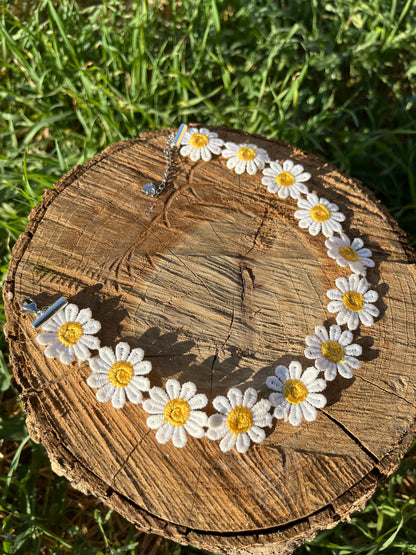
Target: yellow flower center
x,y
239,419
294,391
353,301
177,411
285,179
332,351
349,254
198,140
246,154
121,373
70,333
320,213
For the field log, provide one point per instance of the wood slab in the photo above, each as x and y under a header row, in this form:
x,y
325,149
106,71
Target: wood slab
x,y
218,284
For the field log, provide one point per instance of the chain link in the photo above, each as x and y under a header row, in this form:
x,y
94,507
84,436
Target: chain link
x,y
150,189
172,145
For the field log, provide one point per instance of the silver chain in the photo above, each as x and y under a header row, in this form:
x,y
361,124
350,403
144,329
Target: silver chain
x,y
172,144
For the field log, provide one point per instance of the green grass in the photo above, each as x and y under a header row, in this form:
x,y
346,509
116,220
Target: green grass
x,y
337,79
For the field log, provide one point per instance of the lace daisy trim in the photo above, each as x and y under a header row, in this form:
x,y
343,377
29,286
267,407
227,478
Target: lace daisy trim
x,y
120,375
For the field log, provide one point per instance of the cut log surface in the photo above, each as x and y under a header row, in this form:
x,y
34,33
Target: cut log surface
x,y
218,284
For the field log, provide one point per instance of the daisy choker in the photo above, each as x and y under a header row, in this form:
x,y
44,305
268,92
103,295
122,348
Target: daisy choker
x,y
121,374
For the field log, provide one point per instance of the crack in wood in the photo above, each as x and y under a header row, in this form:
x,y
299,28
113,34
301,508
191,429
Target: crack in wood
x,y
355,439
195,493
230,328
123,464
265,215
247,280
214,360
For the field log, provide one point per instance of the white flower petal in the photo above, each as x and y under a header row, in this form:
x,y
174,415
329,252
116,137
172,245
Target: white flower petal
x,y
274,383
188,390
316,386
322,333
250,397
198,417
277,399
242,443
51,325
66,356
235,397
122,350
173,388
159,395
81,351
317,400
118,399
47,338
309,376
135,356
134,393
256,434
217,426
194,430
370,296
331,372
295,370
98,365
352,321
153,407
281,411
240,167
107,355
90,341
92,326
105,393
295,415
71,313
179,438
366,319
155,421
164,433
227,442
288,165
198,401
345,371
142,368
221,404
309,411
97,380
84,315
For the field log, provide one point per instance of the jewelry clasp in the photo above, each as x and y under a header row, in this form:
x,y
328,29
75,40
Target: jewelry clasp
x,y
43,314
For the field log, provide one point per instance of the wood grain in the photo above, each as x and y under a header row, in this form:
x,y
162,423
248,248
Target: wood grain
x,y
218,284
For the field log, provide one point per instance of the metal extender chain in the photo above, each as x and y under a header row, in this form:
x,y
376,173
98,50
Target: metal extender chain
x,y
172,144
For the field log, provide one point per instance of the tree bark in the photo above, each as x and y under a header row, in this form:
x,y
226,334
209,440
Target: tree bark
x,y
218,284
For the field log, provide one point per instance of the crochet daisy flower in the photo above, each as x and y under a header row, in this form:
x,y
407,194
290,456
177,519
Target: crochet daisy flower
x,y
245,157
69,334
352,300
351,254
120,375
333,352
318,214
174,412
296,395
239,420
200,143
286,180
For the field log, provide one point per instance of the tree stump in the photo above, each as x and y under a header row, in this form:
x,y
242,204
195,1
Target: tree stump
x,y
218,284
